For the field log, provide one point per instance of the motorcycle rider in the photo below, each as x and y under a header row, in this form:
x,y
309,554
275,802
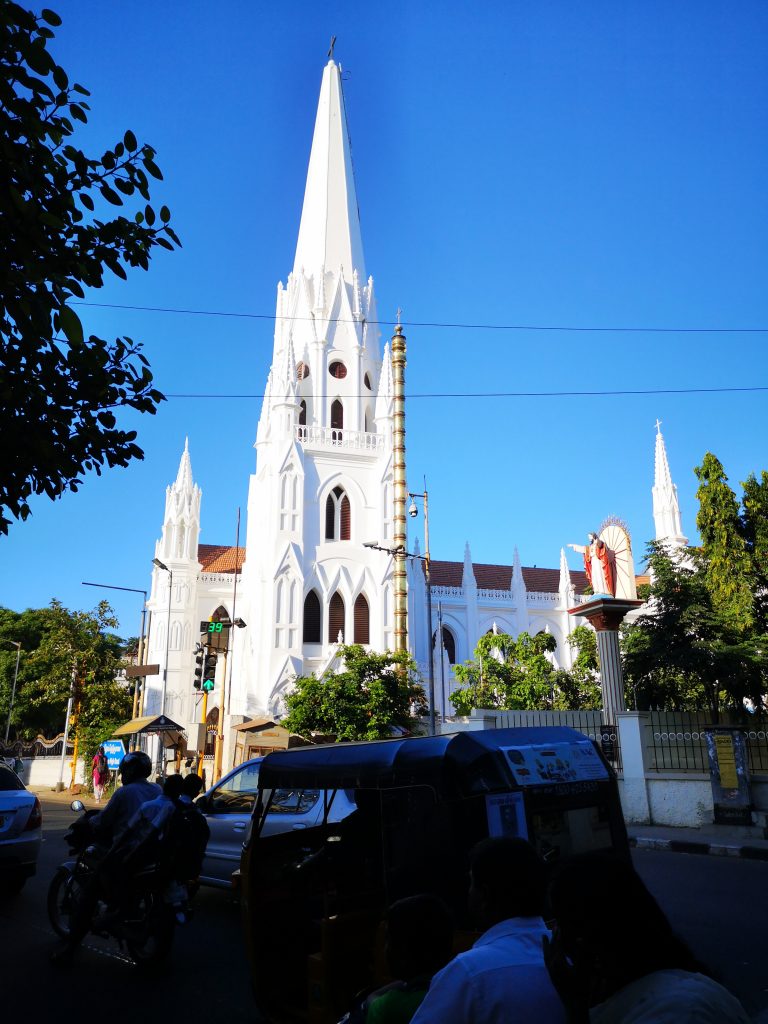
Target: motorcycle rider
x,y
106,827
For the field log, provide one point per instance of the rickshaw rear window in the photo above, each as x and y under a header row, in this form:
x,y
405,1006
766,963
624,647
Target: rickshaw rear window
x,y
559,833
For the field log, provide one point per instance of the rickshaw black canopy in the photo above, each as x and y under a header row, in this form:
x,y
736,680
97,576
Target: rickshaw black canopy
x,y
460,764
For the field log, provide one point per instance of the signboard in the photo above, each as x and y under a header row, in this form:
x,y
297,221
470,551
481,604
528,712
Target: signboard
x,y
541,764
142,670
506,815
115,751
729,775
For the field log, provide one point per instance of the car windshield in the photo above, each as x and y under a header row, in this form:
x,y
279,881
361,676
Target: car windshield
x,y
9,779
238,792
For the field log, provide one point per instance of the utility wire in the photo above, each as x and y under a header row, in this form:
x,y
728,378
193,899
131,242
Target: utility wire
x,y
510,394
429,323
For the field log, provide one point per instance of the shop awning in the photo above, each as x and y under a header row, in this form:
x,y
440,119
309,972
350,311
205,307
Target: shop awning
x,y
148,724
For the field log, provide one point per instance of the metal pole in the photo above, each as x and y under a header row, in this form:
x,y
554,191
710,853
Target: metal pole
x,y
234,608
167,643
429,616
219,748
142,661
17,645
442,657
60,784
400,488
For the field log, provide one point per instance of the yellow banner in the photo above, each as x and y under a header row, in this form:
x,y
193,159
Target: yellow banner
x,y
726,760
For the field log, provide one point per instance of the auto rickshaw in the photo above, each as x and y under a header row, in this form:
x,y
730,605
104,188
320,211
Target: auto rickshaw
x,y
314,899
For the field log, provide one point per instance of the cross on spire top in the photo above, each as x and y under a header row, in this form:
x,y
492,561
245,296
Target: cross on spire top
x,y
658,425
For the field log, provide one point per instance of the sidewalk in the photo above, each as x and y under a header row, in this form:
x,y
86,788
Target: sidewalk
x,y
719,840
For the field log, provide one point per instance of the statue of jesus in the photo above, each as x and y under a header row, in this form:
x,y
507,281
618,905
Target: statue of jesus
x,y
598,565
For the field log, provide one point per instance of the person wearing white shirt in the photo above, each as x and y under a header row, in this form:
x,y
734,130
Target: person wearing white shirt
x,y
502,979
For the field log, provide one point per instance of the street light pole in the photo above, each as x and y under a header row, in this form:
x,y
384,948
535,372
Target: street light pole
x,y
17,645
140,682
413,512
162,565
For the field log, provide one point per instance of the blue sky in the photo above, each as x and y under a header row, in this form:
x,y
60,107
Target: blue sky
x,y
522,163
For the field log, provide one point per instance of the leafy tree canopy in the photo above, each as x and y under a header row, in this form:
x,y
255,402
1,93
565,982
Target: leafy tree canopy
x,y
371,694
60,390
683,652
56,642
507,673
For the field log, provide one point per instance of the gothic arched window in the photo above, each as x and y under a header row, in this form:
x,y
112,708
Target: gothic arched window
x,y
336,618
303,413
338,516
362,621
312,619
337,420
449,644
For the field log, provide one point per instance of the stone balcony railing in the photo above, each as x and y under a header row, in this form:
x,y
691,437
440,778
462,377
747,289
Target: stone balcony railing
x,y
339,440
219,577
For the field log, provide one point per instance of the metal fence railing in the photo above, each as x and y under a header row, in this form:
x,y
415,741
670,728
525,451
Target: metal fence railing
x,y
675,740
591,723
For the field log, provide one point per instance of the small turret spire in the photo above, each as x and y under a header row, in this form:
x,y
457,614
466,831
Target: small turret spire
x,y
666,507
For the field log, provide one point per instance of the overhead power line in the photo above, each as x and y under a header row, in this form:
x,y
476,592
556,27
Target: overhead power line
x,y
431,323
511,394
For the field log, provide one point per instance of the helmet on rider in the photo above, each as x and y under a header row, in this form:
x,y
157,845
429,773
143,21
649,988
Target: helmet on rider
x,y
135,766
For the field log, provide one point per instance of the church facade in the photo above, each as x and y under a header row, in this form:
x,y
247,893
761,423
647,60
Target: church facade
x,y
322,487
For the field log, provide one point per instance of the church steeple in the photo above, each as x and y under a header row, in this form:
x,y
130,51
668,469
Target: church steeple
x,y
666,507
181,523
329,235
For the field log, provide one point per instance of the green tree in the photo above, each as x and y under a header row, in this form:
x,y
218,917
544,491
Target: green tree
x,y
683,652
754,529
60,390
507,673
726,561
56,643
373,693
580,688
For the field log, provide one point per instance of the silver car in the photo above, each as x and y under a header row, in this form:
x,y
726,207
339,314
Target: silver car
x,y
228,806
21,819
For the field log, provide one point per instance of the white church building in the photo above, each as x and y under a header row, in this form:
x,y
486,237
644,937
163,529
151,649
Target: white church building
x,y
322,486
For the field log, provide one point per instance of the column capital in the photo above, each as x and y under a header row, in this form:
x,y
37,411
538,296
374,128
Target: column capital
x,y
605,613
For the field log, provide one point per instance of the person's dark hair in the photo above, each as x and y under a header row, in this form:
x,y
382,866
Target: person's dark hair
x,y
513,875
135,766
419,937
636,939
174,786
192,786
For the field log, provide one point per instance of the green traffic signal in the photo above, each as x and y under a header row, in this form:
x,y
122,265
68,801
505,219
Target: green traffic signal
x,y
208,685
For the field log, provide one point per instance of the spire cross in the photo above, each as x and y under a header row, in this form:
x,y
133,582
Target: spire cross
x,y
330,48
399,314
658,425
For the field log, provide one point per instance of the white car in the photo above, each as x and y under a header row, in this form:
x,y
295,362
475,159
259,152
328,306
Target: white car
x,y
228,807
21,819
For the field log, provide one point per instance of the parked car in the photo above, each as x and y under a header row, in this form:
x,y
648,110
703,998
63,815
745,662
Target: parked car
x,y
228,807
21,819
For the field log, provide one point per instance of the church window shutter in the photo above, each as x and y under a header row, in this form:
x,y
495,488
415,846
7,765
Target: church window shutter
x,y
362,621
337,415
330,518
449,644
337,370
312,618
335,618
346,519
302,371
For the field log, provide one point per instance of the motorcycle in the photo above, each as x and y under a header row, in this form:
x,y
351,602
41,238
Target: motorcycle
x,y
143,922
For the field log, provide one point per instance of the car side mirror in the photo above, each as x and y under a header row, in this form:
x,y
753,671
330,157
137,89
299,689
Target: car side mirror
x,y
77,805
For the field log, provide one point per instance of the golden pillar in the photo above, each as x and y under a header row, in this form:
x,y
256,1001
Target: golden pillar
x,y
400,489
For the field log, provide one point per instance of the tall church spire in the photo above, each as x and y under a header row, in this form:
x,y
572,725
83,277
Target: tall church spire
x,y
666,507
329,235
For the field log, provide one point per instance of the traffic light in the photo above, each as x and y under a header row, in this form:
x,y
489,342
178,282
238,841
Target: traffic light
x,y
209,674
199,659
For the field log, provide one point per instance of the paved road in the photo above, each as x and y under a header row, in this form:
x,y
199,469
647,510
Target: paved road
x,y
717,904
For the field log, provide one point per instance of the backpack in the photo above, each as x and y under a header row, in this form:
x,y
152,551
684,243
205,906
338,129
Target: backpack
x,y
102,765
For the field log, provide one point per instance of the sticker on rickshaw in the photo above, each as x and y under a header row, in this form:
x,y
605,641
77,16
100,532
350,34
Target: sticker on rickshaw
x,y
556,763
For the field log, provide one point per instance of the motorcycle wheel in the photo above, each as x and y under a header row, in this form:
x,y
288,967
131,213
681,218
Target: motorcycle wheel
x,y
155,922
63,893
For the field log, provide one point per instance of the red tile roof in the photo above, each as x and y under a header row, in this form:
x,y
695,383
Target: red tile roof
x,y
499,577
220,557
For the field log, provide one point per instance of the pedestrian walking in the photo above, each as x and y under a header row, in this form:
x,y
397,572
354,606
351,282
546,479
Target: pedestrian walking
x,y
18,766
100,774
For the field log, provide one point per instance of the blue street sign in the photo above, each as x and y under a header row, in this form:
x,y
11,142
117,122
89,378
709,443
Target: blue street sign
x,y
115,752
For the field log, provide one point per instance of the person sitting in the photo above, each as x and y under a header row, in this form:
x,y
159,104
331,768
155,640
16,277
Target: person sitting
x,y
502,978
107,827
631,969
419,941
